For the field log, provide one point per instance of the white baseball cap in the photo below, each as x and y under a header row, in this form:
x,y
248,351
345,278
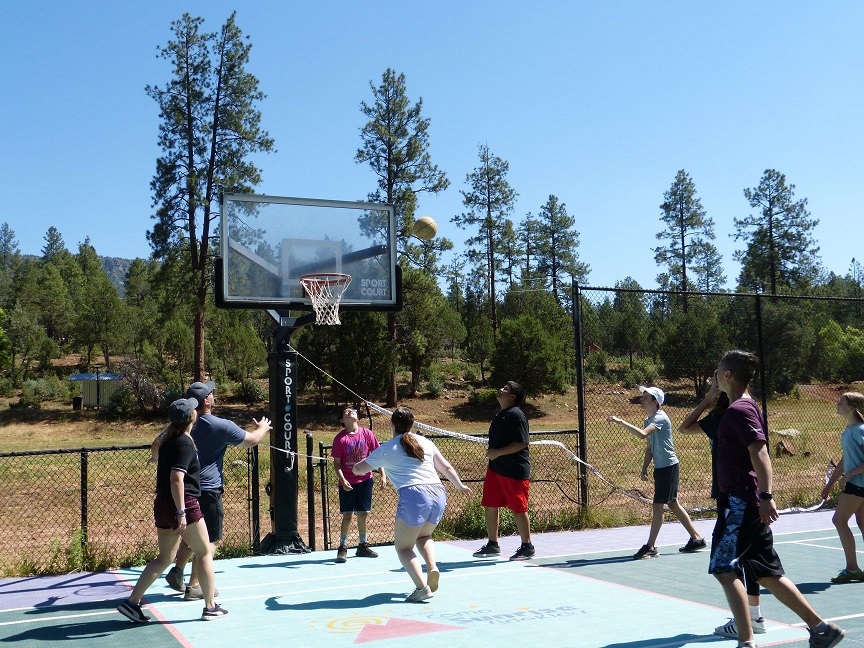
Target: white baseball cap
x,y
656,392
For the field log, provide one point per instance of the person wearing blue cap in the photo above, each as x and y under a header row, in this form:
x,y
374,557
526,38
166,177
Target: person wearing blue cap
x,y
212,436
176,513
657,431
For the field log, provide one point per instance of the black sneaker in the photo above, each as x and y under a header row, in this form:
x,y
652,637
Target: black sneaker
x,y
693,545
341,554
524,552
488,550
211,614
645,552
365,551
132,612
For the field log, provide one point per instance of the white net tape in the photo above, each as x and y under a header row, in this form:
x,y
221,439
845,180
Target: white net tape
x,y
325,290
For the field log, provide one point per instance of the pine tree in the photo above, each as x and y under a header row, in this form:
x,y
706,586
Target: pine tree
x,y
395,144
687,235
210,126
490,201
780,250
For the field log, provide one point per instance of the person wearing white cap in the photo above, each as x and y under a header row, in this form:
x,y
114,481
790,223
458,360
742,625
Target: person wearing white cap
x,y
657,431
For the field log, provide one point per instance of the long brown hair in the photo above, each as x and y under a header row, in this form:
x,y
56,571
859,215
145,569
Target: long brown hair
x,y
856,402
403,421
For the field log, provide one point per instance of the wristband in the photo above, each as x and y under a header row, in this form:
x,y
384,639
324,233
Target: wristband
x,y
181,512
765,497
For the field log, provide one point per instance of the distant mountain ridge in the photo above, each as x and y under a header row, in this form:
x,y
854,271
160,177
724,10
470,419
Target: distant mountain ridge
x,y
116,269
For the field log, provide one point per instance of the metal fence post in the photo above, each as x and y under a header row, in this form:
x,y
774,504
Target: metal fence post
x,y
760,349
580,391
325,498
310,490
254,498
84,512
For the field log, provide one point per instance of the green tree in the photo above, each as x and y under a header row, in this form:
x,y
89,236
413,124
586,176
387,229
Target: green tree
x,y
528,234
210,127
691,343
630,322
395,144
687,230
26,339
10,259
101,319
527,353
430,322
237,348
780,250
558,256
489,201
5,344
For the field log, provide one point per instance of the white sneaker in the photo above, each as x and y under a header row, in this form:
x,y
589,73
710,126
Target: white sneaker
x,y
419,594
731,630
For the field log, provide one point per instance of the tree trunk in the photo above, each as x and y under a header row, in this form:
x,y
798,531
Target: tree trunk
x,y
392,398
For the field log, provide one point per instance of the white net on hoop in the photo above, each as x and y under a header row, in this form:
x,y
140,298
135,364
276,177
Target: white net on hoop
x,y
325,290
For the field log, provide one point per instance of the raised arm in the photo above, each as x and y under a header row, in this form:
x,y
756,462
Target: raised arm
x,y
255,436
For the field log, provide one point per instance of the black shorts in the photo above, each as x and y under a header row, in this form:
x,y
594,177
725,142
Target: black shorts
x,y
666,484
742,543
852,489
211,508
358,499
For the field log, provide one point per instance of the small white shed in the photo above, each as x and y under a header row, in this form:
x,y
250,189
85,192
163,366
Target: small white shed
x,y
96,388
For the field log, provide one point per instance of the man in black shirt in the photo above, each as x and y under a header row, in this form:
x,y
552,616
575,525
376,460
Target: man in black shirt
x,y
507,480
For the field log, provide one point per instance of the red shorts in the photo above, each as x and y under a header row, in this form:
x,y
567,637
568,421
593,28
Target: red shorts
x,y
499,491
165,512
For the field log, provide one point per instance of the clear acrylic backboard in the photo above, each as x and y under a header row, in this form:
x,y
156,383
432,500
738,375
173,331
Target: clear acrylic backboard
x,y
268,242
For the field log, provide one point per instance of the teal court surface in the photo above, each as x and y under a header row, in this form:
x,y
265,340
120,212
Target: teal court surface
x,y
582,590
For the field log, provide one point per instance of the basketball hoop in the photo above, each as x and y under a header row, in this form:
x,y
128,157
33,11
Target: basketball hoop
x,y
325,290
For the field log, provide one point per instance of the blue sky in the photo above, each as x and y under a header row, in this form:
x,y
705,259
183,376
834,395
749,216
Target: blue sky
x,y
598,103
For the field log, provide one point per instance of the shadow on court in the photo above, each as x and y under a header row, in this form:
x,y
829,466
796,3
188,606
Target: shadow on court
x,y
583,590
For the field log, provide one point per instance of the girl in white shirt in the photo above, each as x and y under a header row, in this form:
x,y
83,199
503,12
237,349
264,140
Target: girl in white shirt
x,y
412,463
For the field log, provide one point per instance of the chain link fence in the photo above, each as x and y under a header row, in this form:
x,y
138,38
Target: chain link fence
x,y
631,337
67,510
92,508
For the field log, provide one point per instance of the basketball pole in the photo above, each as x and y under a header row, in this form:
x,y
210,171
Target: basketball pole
x,y
282,362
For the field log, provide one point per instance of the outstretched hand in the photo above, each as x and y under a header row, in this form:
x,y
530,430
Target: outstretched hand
x,y
264,421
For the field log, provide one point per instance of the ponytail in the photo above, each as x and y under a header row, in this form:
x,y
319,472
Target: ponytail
x,y
412,446
403,421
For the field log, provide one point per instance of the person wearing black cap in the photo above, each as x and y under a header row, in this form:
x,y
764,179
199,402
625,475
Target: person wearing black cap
x,y
176,513
212,436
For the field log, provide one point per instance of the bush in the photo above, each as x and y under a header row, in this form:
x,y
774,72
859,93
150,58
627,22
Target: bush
x,y
6,388
43,390
644,372
250,392
122,403
484,397
597,365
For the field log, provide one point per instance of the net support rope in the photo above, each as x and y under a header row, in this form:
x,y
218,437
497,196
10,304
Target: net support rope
x,y
632,493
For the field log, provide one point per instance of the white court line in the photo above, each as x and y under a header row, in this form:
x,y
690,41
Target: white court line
x,y
44,619
56,618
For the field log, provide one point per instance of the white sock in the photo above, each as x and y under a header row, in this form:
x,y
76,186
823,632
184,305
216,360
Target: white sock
x,y
755,612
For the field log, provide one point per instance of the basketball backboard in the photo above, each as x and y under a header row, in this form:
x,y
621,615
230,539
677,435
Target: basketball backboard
x,y
269,242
